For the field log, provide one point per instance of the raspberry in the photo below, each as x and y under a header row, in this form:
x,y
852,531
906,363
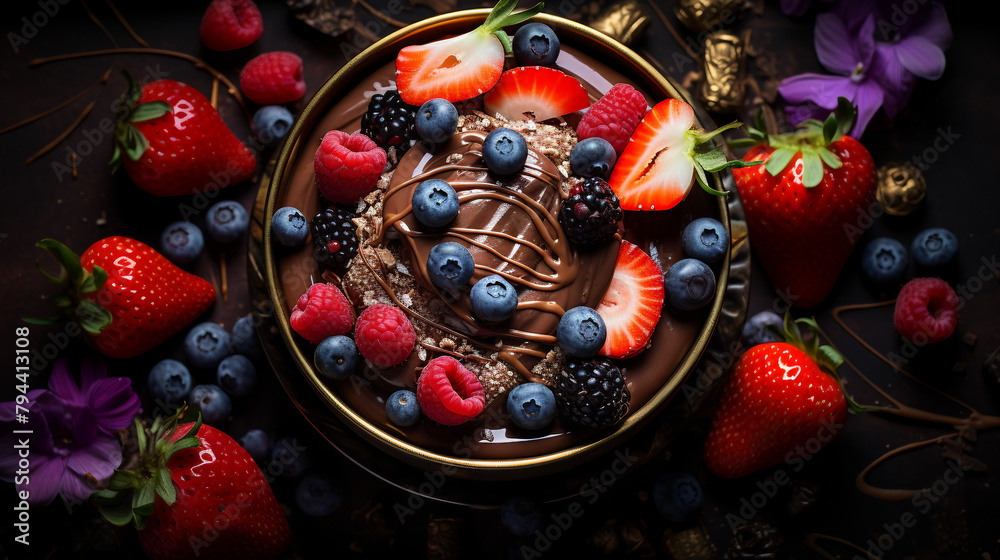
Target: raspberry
x,y
321,312
273,78
347,166
448,393
926,311
231,24
614,116
384,335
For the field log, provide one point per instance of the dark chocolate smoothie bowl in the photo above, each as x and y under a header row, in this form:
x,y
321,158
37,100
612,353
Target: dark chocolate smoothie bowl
x,y
488,446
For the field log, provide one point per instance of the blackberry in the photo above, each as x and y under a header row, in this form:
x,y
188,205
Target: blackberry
x,y
335,238
591,214
591,393
389,122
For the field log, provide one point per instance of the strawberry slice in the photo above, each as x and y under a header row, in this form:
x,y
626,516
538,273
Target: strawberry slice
x,y
459,68
665,156
631,306
535,92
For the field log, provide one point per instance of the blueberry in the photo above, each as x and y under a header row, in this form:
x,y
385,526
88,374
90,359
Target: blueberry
x,y
705,239
244,338
450,265
402,409
521,516
236,375
226,221
531,406
435,203
535,44
504,151
884,261
436,120
169,382
677,495
934,247
182,242
214,403
755,330
290,227
271,123
206,344
288,458
336,357
592,157
318,496
493,298
581,332
690,284
257,443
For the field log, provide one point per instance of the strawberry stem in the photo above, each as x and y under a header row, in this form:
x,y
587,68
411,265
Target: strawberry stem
x,y
501,16
708,156
75,282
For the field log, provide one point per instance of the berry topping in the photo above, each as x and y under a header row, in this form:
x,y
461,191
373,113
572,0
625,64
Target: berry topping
x,y
632,304
592,157
934,247
435,203
504,151
182,242
321,312
450,265
756,331
493,299
690,284
214,403
384,335
884,261
389,122
581,332
436,120
591,393
271,123
536,93
335,236
347,166
926,311
677,495
169,383
236,375
336,357
705,239
226,221
206,344
402,408
231,24
590,216
289,226
531,406
614,116
448,393
273,78
535,44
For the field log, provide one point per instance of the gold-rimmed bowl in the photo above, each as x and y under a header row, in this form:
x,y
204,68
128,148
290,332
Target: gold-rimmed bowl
x,y
287,275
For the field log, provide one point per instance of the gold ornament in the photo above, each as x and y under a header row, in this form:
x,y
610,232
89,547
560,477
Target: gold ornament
x,y
623,21
901,188
722,87
703,15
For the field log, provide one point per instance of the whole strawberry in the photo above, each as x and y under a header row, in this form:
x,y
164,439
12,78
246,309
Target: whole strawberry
x,y
779,406
196,493
126,297
803,205
175,143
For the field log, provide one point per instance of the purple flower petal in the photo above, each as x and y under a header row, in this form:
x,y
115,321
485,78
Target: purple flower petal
x,y
61,383
868,99
113,403
921,57
833,46
46,480
821,89
889,71
75,488
100,458
91,370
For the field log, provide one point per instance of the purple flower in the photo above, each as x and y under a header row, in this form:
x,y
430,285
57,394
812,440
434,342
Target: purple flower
x,y
72,433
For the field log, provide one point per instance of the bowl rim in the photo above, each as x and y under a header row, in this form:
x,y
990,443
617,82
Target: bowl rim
x,y
499,469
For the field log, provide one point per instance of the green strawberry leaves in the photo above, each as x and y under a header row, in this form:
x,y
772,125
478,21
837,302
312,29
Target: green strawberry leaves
x,y
127,138
708,156
75,282
502,16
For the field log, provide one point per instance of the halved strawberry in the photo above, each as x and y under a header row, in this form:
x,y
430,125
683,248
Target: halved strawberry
x,y
632,304
462,67
665,156
535,92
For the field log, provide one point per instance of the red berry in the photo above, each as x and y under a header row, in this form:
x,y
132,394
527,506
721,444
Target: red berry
x,y
273,78
614,116
321,312
448,393
926,310
384,335
347,166
231,24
